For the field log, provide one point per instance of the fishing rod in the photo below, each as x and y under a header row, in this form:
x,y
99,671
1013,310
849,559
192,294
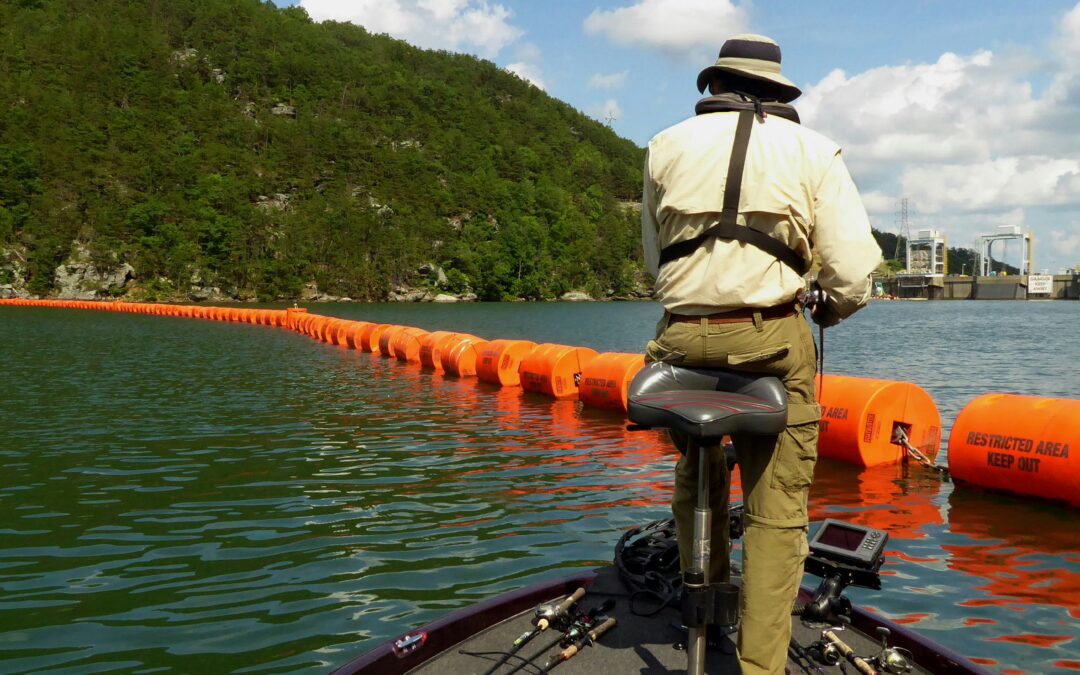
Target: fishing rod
x,y
860,664
814,300
583,622
588,639
802,658
577,629
544,617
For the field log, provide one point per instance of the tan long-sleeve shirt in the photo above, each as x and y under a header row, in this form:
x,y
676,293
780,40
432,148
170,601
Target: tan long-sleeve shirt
x,y
795,188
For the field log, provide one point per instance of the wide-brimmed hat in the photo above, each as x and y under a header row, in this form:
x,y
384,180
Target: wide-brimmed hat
x,y
756,57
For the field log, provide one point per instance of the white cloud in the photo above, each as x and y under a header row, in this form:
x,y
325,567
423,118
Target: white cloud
x,y
608,81
690,29
527,51
973,140
607,112
1067,241
528,72
455,25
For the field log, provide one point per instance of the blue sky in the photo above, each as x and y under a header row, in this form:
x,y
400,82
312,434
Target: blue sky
x,y
969,109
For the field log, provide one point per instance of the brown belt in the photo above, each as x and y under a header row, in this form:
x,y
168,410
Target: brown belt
x,y
740,315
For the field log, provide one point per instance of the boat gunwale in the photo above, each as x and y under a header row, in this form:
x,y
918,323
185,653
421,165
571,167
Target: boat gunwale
x,y
454,628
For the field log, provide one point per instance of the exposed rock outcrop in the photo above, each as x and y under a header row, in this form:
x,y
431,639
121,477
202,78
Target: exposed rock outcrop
x,y
576,296
78,278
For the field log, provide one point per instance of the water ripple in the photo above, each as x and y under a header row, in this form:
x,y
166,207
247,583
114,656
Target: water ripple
x,y
222,497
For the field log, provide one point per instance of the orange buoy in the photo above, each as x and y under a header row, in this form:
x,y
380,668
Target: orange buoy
x,y
406,344
326,329
352,336
316,325
429,349
859,417
605,379
344,328
554,370
386,336
338,332
293,315
1020,444
369,336
500,360
459,355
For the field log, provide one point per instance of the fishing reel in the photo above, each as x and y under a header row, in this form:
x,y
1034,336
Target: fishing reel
x,y
896,660
551,616
557,615
583,622
812,297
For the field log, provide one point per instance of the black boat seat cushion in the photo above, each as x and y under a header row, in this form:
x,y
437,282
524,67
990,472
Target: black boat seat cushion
x,y
707,403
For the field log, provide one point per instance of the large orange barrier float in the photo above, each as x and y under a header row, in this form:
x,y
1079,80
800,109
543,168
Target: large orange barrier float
x,y
459,355
554,370
354,335
341,330
1019,444
406,344
860,418
431,349
292,314
500,361
606,378
369,337
386,336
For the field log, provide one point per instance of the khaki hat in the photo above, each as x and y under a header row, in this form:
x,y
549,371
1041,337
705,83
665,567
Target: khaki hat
x,y
756,57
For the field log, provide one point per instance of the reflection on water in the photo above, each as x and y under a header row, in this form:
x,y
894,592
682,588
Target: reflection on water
x,y
198,497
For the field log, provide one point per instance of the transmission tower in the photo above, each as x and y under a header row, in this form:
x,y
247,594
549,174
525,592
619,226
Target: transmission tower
x,y
903,227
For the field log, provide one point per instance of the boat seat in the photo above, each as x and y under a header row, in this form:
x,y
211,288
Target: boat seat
x,y
706,403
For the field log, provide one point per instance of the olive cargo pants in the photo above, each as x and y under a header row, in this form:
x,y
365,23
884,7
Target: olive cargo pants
x,y
776,476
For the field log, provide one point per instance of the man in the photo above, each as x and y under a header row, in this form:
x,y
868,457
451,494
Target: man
x,y
772,195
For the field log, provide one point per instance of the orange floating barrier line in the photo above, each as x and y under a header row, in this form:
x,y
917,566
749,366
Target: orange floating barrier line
x,y
431,349
293,315
354,333
606,378
554,370
459,354
386,336
406,344
1023,445
500,361
335,329
860,416
342,335
369,336
316,326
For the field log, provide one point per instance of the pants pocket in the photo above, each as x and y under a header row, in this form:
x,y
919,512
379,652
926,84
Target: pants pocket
x,y
796,455
658,351
759,354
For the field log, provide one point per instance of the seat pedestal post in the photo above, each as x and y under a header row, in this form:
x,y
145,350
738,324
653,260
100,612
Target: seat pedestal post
x,y
696,579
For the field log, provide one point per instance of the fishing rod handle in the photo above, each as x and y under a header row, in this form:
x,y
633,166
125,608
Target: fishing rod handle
x,y
560,609
565,605
595,633
856,660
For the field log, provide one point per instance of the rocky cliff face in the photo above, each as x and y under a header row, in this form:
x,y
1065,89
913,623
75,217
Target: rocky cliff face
x,y
79,278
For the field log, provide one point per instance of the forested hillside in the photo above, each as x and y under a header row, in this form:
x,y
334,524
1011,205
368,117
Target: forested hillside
x,y
232,144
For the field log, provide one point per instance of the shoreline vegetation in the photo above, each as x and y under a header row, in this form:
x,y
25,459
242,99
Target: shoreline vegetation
x,y
233,151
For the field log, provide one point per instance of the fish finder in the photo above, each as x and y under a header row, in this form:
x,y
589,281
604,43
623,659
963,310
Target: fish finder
x,y
842,554
847,543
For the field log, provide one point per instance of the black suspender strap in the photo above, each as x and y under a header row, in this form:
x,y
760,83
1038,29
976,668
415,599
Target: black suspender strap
x,y
728,227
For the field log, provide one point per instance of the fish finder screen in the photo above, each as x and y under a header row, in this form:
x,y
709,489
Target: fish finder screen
x,y
838,536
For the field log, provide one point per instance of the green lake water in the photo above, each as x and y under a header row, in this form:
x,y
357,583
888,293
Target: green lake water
x,y
190,496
